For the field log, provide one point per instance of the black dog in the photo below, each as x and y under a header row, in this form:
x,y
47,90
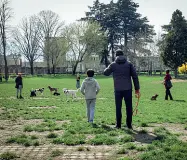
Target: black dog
x,y
33,93
56,94
154,97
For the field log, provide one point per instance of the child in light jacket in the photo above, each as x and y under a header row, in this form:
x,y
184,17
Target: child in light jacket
x,y
90,88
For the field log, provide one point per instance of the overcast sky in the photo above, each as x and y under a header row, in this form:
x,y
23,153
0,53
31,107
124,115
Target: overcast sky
x,y
158,11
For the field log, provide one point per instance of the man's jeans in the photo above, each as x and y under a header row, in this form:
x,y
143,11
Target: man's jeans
x,y
90,109
127,96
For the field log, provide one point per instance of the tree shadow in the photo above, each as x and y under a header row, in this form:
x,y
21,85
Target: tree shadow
x,y
144,137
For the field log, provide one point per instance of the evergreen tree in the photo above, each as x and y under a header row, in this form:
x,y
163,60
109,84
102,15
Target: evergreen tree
x,y
174,43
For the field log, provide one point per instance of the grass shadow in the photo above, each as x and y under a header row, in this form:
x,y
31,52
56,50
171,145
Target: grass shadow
x,y
143,137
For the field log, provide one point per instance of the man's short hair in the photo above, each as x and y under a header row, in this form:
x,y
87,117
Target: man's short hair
x,y
119,52
90,72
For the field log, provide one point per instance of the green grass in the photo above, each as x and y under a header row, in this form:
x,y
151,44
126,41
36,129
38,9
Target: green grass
x,y
24,140
72,115
8,156
56,153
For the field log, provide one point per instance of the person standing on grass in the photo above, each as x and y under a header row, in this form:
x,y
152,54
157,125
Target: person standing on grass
x,y
168,85
78,81
19,86
90,88
123,71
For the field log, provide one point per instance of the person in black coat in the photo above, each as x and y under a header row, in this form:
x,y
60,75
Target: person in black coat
x,y
19,86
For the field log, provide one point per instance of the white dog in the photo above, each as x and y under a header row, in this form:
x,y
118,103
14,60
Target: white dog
x,y
71,93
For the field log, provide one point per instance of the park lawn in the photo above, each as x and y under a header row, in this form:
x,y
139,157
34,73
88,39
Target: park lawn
x,y
66,122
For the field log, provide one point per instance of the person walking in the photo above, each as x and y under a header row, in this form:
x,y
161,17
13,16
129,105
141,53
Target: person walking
x,y
19,86
78,81
90,88
123,71
168,85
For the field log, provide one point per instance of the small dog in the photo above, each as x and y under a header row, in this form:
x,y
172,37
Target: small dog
x,y
41,90
56,94
154,97
33,93
71,93
52,89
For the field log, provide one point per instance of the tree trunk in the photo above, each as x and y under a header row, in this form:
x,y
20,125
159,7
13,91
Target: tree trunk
x,y
32,68
6,68
176,73
48,67
125,44
113,53
4,54
75,68
53,69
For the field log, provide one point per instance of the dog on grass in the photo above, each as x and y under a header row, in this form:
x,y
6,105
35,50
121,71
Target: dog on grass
x,y
56,94
52,89
41,90
154,97
71,93
33,93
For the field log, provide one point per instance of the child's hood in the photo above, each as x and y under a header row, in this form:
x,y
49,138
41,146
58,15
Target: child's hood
x,y
89,80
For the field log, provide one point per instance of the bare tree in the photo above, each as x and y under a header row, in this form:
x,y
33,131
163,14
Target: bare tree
x,y
5,15
14,52
26,39
51,26
84,39
58,48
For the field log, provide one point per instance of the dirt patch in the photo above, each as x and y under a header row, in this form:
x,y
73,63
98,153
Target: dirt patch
x,y
43,107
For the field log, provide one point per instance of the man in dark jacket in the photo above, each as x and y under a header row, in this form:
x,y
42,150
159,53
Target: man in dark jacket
x,y
19,85
123,71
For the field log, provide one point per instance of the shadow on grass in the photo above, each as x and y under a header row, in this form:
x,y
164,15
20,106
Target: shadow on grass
x,y
103,126
179,100
144,137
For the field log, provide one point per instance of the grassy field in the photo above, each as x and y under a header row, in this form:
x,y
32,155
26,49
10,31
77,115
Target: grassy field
x,y
159,128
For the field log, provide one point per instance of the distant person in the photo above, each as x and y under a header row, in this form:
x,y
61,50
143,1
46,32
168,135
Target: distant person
x,y
90,88
78,81
168,85
19,86
123,71
1,78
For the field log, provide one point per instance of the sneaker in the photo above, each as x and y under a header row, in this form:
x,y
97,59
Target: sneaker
x,y
21,97
117,127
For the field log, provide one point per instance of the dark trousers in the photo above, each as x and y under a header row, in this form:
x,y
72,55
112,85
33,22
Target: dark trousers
x,y
168,93
127,96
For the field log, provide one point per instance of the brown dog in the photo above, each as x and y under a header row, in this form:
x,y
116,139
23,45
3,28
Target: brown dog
x,y
154,97
52,89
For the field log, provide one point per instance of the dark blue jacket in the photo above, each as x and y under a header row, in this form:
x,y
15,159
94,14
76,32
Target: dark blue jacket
x,y
18,82
123,71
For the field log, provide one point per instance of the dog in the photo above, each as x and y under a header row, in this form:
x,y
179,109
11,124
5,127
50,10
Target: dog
x,y
52,89
154,97
56,94
41,90
71,93
33,93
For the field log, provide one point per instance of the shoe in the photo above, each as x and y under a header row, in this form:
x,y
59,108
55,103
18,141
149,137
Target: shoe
x,y
17,97
21,97
130,127
117,127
